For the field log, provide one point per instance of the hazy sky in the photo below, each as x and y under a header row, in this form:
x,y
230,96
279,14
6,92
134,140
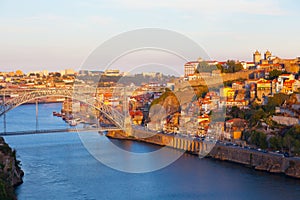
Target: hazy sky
x,y
54,34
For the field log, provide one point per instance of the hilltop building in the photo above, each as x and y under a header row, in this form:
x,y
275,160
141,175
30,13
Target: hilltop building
x,y
267,55
256,57
270,62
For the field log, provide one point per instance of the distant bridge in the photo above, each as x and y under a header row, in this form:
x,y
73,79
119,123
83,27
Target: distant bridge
x,y
85,95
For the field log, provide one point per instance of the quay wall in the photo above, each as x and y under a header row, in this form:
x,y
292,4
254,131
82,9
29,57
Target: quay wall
x,y
268,162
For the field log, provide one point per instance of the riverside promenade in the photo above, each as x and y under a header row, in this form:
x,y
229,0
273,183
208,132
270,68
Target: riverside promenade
x,y
273,163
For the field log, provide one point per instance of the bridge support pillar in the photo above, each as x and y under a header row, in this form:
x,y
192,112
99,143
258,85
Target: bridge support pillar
x,y
189,145
193,146
4,116
201,148
178,143
36,115
197,147
128,128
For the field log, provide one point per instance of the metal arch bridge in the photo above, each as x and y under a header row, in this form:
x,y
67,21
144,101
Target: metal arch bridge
x,y
84,95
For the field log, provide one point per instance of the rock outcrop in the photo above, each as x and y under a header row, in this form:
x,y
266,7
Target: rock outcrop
x,y
10,171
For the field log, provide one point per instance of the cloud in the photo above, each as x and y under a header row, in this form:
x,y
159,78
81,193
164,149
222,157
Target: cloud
x,y
266,7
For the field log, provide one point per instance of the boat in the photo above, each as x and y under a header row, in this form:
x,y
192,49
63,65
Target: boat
x,y
104,132
73,122
57,114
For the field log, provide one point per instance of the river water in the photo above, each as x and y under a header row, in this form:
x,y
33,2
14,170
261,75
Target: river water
x,y
58,166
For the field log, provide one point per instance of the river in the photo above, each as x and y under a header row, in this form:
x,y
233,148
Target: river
x,y
58,166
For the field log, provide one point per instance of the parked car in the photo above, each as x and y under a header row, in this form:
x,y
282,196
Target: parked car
x,y
286,154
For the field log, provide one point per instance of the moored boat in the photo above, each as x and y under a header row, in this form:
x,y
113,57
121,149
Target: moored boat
x,y
73,122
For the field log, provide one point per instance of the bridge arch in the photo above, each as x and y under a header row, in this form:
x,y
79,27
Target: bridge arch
x,y
112,114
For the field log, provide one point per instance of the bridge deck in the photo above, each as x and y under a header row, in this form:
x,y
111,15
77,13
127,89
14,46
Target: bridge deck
x,y
56,131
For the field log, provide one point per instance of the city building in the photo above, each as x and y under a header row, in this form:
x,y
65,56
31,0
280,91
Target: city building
x,y
112,72
235,127
190,68
263,88
227,93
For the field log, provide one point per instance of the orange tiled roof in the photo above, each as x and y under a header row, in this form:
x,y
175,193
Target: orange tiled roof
x,y
288,82
261,81
264,65
285,75
238,83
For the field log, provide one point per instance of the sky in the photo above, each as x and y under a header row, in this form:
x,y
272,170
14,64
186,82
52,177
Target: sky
x,y
58,34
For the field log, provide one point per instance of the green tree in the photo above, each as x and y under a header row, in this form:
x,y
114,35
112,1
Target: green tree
x,y
238,67
236,112
297,147
259,139
274,74
291,140
204,67
220,67
256,116
288,142
232,66
276,143
246,135
263,140
276,100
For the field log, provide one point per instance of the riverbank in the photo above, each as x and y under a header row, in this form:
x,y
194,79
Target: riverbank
x,y
10,172
272,163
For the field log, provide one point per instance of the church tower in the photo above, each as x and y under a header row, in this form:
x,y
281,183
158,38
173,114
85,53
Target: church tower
x,y
268,54
256,57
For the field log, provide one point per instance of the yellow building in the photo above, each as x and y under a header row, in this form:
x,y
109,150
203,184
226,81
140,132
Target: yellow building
x,y
263,88
237,135
288,86
234,127
112,72
19,73
227,93
291,65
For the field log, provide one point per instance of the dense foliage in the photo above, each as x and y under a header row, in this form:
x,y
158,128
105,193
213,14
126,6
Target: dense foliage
x,y
204,67
273,102
287,138
274,74
230,66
